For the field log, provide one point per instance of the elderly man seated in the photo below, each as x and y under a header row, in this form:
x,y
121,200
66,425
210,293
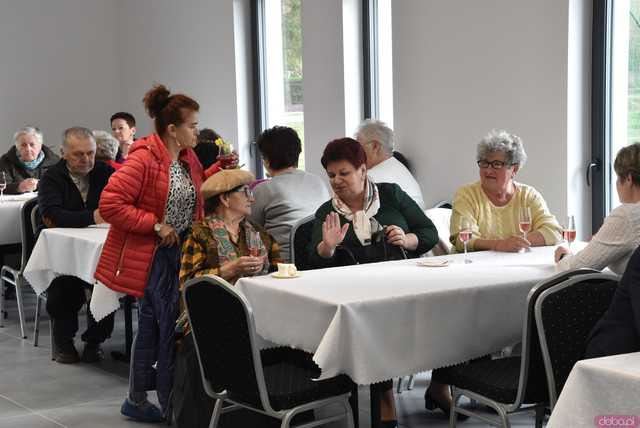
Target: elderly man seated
x,y
378,142
27,161
68,197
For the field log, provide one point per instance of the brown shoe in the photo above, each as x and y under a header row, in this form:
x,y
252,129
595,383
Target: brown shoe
x,y
66,353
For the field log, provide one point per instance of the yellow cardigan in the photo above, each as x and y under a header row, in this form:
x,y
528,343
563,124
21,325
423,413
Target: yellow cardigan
x,y
491,222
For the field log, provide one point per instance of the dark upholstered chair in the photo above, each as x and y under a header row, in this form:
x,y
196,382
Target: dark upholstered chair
x,y
511,384
278,382
565,315
300,238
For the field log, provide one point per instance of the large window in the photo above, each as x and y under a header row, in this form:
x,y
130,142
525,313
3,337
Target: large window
x,y
279,61
616,95
378,66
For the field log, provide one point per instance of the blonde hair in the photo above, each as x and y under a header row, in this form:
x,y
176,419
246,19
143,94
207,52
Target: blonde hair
x,y
628,163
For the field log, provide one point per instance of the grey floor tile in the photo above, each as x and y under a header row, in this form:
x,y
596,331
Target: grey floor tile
x,y
95,414
9,409
30,421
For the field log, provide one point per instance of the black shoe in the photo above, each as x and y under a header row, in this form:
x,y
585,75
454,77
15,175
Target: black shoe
x,y
431,403
92,353
66,353
389,424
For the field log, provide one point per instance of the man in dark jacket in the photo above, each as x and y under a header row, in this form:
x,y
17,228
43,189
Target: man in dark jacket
x,y
27,161
68,197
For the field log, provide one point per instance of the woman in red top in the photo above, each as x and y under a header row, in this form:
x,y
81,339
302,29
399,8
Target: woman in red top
x,y
150,205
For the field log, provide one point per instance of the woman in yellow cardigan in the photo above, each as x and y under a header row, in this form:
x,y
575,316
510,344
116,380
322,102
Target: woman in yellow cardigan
x,y
492,205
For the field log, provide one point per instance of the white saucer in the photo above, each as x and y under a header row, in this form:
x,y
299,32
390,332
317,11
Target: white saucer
x,y
276,275
433,263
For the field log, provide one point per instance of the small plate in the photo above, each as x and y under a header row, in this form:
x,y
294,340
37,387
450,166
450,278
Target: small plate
x,y
276,275
433,263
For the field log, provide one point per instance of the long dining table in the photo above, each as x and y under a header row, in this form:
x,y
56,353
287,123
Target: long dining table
x,y
378,321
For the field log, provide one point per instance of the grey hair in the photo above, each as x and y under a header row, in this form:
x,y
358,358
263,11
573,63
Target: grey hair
x,y
503,141
106,145
78,132
373,129
27,130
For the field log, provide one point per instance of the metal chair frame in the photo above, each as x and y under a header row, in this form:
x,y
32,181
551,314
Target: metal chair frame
x,y
221,396
518,405
546,356
292,236
13,276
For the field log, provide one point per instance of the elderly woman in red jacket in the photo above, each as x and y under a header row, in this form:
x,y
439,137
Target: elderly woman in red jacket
x,y
150,205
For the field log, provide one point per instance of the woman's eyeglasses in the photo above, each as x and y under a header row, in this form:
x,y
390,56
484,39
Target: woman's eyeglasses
x,y
247,191
496,164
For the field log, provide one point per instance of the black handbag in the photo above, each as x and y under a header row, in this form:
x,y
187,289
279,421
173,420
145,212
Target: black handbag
x,y
378,251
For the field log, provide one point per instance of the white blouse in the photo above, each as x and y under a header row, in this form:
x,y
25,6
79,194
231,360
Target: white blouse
x,y
612,245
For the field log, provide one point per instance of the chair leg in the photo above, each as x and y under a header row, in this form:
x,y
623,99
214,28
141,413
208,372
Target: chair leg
x,y
412,380
2,288
399,387
215,417
349,415
504,417
286,421
53,343
539,416
36,321
453,419
20,302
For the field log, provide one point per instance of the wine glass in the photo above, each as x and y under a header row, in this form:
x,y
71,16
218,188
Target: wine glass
x,y
3,185
524,222
569,231
253,243
465,235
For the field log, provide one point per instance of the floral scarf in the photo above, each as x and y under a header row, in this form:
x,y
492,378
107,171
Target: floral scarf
x,y
226,250
362,219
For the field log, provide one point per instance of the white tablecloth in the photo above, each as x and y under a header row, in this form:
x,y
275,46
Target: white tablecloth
x,y
378,321
10,206
66,251
600,392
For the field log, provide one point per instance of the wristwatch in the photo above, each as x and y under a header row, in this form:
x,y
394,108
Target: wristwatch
x,y
157,227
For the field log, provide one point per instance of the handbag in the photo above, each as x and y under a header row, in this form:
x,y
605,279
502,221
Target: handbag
x,y
378,251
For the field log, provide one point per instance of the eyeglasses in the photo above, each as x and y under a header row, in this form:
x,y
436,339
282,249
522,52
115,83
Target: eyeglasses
x,y
247,191
496,164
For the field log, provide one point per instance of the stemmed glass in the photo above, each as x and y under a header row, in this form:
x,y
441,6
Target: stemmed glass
x,y
254,242
3,185
569,231
524,222
465,235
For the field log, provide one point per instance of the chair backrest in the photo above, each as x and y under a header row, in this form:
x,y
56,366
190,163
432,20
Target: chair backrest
x,y
443,204
441,217
299,239
223,331
565,315
27,231
532,384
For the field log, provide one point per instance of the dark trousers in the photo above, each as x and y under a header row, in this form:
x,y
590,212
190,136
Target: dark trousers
x,y
155,341
65,297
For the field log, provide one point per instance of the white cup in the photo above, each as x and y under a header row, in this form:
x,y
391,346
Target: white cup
x,y
287,269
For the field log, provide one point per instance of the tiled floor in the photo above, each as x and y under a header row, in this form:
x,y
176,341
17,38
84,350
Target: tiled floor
x,y
36,392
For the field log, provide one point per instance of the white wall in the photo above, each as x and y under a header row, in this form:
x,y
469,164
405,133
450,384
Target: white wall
x,y
187,47
59,66
463,67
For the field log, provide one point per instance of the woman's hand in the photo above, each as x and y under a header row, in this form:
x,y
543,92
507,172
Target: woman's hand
x,y
396,236
242,266
332,234
561,251
512,244
168,236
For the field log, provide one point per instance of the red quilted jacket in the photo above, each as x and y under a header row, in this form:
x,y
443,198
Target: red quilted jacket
x,y
133,202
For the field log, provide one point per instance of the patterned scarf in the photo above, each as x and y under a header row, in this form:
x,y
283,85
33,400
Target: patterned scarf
x,y
226,250
31,165
362,219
